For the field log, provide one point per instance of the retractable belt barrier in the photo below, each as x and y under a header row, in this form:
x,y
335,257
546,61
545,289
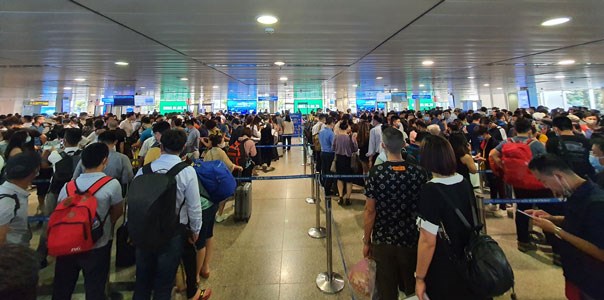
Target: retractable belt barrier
x,y
279,146
528,200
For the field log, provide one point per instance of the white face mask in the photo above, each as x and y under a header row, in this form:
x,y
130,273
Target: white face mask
x,y
28,139
566,190
591,122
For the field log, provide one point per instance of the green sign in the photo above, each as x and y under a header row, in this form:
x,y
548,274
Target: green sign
x,y
306,106
172,106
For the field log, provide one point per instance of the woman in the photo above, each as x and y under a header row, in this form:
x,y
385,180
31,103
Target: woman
x,y
267,154
344,145
465,162
288,131
436,274
363,143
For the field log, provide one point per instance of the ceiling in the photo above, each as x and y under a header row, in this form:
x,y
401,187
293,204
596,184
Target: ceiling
x,y
328,45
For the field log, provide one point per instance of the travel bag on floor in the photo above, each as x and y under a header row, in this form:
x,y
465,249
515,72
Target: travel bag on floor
x,y
243,202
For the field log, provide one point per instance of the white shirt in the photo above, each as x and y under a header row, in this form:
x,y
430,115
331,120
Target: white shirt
x,y
127,126
187,188
317,127
147,144
375,140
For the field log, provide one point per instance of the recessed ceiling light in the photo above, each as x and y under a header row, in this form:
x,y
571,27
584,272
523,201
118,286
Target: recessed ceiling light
x,y
355,85
588,63
80,79
267,19
471,77
67,88
142,87
555,21
566,62
121,63
92,95
560,77
500,88
424,92
379,78
486,84
283,78
215,87
422,85
184,78
427,62
395,89
279,63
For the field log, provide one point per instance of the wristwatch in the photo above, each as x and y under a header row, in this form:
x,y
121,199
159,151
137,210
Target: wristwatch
x,y
557,232
418,277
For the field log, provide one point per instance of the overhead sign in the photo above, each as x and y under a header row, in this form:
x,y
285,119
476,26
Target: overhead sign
x,y
365,105
242,106
143,100
268,98
107,101
172,106
41,103
383,97
422,97
306,106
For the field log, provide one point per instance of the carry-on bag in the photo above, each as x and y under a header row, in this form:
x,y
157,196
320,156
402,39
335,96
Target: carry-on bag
x,y
243,202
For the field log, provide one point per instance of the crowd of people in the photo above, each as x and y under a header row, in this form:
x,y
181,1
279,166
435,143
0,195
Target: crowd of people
x,y
412,160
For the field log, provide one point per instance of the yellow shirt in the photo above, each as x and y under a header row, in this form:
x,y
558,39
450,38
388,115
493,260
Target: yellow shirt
x,y
216,153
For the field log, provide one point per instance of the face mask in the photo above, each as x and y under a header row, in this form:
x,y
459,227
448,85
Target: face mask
x,y
28,139
591,122
566,190
427,119
480,138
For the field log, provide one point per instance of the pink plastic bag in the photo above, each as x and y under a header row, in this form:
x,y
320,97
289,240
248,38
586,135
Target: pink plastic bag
x,y
362,277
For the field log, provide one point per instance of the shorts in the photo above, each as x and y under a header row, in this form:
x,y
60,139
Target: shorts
x,y
208,217
42,182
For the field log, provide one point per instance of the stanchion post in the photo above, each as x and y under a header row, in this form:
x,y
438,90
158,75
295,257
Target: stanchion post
x,y
329,282
482,214
317,232
312,199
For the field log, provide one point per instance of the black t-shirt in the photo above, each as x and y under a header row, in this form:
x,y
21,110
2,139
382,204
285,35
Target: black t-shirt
x,y
395,187
121,135
574,149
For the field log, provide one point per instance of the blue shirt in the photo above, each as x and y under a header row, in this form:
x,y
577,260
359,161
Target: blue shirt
x,y
326,139
147,133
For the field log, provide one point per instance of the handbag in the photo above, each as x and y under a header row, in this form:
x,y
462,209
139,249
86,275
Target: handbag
x,y
483,265
332,169
354,159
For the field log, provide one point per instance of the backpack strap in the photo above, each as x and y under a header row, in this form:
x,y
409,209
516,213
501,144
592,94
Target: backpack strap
x,y
461,217
147,169
15,198
177,168
63,155
72,188
99,184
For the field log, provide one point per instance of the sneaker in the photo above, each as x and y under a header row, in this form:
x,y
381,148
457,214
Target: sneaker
x,y
269,169
500,213
526,247
220,219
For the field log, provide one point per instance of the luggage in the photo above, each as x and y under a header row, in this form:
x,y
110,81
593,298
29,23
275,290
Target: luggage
x,y
125,252
152,216
515,157
216,178
243,202
74,226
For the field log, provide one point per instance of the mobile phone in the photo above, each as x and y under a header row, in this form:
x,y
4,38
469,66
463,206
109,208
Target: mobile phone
x,y
528,215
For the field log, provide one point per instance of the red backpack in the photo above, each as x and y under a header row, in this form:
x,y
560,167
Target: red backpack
x,y
70,228
237,153
515,157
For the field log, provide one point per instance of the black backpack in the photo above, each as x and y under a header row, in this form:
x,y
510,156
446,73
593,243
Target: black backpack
x,y
64,170
577,156
152,217
484,265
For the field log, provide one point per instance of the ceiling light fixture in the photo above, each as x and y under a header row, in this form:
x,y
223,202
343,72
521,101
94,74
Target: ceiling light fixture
x,y
142,87
184,78
121,63
556,21
500,88
427,62
67,88
395,89
283,78
566,62
560,77
379,78
355,85
215,87
422,85
486,84
92,95
267,19
471,77
279,63
80,79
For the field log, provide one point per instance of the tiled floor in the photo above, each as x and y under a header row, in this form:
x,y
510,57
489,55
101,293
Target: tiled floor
x,y
272,257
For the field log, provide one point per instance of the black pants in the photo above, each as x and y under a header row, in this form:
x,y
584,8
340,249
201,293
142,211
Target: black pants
x,y
317,156
287,140
189,260
522,221
395,267
326,159
94,265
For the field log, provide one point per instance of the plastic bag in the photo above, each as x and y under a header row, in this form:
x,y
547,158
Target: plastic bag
x,y
362,277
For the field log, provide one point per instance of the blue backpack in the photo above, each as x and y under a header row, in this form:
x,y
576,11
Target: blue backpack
x,y
216,178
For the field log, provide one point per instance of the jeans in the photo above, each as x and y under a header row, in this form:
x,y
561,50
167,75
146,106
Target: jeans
x,y
95,266
326,159
522,221
287,140
156,269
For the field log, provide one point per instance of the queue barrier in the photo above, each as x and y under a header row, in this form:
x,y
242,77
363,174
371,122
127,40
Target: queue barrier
x,y
527,200
279,146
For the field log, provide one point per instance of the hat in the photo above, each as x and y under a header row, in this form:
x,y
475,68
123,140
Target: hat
x,y
574,118
538,116
22,165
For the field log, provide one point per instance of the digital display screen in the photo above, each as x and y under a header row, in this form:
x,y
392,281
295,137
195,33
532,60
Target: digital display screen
x,y
123,100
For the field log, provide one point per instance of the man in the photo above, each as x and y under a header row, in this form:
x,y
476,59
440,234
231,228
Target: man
x,y
38,124
94,264
472,136
391,234
395,122
156,270
375,139
326,137
572,148
99,127
580,231
118,165
151,147
147,131
128,124
523,129
236,132
315,133
192,145
20,171
19,270
120,134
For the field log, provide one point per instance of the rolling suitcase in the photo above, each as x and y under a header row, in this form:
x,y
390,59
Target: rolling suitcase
x,y
243,202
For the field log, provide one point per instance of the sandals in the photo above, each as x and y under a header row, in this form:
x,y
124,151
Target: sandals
x,y
202,294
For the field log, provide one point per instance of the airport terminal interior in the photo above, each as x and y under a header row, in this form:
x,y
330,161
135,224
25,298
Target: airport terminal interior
x,y
77,62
